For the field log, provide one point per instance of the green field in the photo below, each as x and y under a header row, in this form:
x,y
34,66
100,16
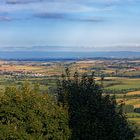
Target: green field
x,y
124,83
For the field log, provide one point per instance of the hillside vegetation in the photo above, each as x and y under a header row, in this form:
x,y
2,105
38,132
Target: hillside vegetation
x,y
78,111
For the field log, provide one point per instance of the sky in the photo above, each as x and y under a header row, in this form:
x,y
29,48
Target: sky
x,y
70,25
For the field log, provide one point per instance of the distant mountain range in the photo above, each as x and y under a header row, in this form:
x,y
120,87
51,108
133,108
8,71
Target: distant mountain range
x,y
66,55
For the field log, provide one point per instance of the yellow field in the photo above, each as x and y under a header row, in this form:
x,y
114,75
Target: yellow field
x,y
134,102
18,68
108,71
134,93
136,120
45,70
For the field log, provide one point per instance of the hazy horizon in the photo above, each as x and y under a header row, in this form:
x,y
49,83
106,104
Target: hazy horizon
x,y
31,55
46,48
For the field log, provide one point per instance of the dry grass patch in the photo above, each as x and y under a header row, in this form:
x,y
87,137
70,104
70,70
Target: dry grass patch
x,y
134,93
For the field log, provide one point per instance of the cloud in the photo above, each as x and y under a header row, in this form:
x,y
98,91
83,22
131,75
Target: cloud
x,y
55,6
58,9
49,9
47,48
46,7
22,1
106,2
67,17
5,18
52,15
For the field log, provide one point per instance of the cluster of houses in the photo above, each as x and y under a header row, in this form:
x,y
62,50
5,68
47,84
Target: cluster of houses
x,y
20,73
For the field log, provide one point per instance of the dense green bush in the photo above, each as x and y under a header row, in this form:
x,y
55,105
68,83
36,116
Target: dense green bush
x,y
28,115
92,115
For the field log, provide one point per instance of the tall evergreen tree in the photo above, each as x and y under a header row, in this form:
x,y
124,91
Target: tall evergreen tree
x,y
93,116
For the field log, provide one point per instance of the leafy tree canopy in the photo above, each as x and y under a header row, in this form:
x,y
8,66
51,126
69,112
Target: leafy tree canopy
x,y
26,114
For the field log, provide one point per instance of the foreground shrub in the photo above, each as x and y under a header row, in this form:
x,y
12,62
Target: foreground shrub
x,y
27,115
